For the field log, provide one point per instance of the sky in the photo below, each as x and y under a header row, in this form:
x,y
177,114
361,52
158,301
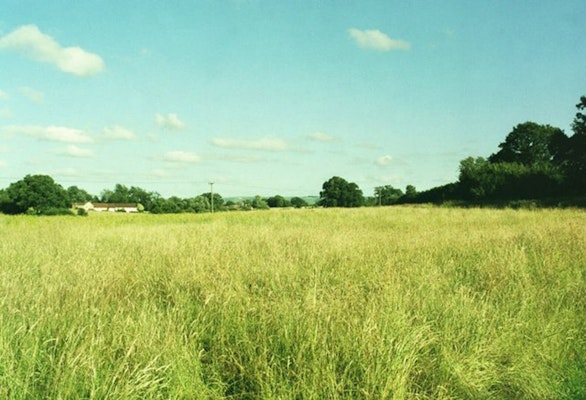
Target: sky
x,y
276,97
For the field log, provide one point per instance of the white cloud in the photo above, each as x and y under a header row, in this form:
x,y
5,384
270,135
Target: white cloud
x,y
33,95
118,133
181,156
266,144
170,121
74,151
322,137
384,160
52,133
238,158
3,95
36,45
376,40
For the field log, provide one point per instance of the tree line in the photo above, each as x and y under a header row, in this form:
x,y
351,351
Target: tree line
x,y
534,162
41,195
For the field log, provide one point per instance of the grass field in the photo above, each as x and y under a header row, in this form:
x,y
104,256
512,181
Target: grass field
x,y
374,303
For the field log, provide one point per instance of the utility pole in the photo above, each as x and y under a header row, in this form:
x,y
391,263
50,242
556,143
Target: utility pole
x,y
212,195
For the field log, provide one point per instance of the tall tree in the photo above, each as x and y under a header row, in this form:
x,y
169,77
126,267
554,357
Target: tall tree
x,y
77,195
37,194
278,201
218,200
337,192
298,202
576,151
387,195
530,143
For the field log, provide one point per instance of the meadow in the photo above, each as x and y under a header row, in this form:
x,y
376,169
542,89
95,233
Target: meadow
x,y
373,303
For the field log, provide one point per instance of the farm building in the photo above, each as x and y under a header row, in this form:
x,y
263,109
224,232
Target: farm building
x,y
112,207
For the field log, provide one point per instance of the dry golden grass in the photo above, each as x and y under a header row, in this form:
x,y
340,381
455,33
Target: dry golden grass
x,y
402,302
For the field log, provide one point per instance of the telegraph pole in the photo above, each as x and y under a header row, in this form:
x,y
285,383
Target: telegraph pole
x,y
212,195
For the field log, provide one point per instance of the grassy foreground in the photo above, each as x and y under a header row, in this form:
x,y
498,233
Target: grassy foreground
x,y
402,303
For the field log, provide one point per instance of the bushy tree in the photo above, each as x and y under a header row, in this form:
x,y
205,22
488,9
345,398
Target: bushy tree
x,y
77,195
386,195
298,202
199,204
35,194
139,195
483,180
337,192
218,200
278,201
530,143
576,151
259,203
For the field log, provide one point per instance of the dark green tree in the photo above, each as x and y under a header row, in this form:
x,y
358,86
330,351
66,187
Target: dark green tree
x,y
139,195
278,201
199,204
576,151
337,192
218,200
481,180
579,124
530,143
77,195
387,195
298,202
35,194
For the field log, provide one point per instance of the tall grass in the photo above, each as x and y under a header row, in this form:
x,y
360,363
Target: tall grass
x,y
402,303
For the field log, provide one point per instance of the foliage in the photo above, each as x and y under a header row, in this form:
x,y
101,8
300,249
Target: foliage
x,y
134,194
387,195
481,179
298,202
278,201
258,203
530,143
576,152
218,200
77,195
337,192
316,304
537,162
37,194
579,123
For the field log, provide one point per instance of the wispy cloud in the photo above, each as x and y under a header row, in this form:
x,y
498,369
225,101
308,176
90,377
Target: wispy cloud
x,y
170,121
384,160
51,133
374,39
5,113
181,156
38,46
117,133
265,144
322,137
78,152
3,95
237,158
33,95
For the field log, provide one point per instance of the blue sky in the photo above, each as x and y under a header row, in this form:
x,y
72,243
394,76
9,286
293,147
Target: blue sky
x,y
267,97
